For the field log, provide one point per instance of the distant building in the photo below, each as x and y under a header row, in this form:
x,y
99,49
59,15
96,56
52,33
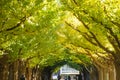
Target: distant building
x,y
67,72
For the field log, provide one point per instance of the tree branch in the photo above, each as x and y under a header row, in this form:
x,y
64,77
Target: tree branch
x,y
22,20
115,36
17,25
105,26
94,36
75,2
88,53
96,52
97,61
112,41
115,23
85,35
109,29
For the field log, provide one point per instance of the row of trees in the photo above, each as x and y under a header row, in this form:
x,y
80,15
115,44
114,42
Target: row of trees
x,y
96,24
27,38
38,36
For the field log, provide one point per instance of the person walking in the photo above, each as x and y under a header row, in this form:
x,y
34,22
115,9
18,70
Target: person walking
x,y
22,77
59,77
69,78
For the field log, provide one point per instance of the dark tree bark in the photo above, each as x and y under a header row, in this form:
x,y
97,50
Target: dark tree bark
x,y
117,67
11,72
46,73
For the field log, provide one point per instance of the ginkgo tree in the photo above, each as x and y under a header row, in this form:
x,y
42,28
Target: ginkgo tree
x,y
37,33
93,26
27,35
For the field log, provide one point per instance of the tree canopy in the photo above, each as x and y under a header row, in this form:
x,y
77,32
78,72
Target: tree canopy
x,y
44,32
93,27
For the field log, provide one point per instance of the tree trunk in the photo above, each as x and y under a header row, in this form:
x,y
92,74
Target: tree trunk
x,y
5,72
4,67
94,75
16,70
117,67
105,73
28,73
1,71
21,68
112,75
39,74
34,73
11,72
101,73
